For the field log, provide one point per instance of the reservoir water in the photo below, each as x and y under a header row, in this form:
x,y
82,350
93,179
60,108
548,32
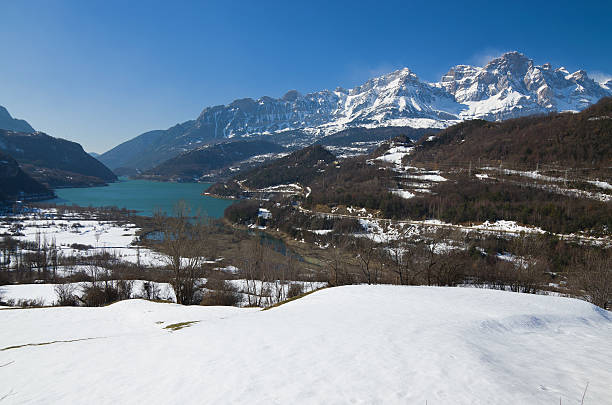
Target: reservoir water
x,y
144,196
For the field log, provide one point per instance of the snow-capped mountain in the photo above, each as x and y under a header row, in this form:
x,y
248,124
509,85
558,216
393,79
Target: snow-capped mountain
x,y
511,86
508,86
398,98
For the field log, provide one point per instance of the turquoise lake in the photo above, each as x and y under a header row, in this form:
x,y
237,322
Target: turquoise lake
x,y
144,196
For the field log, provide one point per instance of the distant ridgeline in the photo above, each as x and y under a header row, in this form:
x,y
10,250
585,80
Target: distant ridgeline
x,y
55,161
301,166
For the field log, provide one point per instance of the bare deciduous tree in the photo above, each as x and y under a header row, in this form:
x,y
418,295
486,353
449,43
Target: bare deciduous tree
x,y
184,242
366,257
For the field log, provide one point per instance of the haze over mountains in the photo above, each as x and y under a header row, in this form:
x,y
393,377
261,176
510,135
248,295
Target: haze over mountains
x,y
509,86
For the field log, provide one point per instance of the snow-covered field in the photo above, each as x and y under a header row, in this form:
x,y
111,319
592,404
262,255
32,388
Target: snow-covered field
x,y
73,228
353,344
45,293
395,154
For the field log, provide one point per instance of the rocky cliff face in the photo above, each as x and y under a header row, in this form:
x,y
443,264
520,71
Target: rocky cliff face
x,y
508,86
512,86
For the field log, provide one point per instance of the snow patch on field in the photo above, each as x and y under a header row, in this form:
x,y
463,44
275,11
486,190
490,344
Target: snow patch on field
x,y
403,193
396,154
428,177
507,226
353,344
601,184
284,188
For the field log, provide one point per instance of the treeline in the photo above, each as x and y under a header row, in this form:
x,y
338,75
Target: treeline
x,y
446,257
527,263
463,199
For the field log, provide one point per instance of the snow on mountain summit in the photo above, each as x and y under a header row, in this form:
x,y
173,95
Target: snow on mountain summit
x,y
508,86
512,85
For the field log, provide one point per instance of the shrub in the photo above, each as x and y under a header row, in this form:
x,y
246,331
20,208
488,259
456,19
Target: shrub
x,y
246,211
150,291
294,290
220,292
66,296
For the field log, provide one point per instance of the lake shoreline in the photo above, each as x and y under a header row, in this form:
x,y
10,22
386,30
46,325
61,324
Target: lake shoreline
x,y
143,196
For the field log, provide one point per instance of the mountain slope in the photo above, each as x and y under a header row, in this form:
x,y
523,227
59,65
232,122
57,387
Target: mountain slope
x,y
567,140
16,184
507,87
12,124
193,164
148,149
299,167
54,161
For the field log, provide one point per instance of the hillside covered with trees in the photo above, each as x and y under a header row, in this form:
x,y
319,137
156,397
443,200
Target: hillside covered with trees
x,y
16,184
564,140
54,161
193,164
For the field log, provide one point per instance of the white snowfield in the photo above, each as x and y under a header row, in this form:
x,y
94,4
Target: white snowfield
x,y
353,344
103,236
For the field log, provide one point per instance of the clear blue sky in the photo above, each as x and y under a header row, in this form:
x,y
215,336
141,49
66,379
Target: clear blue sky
x,y
102,72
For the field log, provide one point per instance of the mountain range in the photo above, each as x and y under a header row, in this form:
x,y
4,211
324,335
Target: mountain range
x,y
507,87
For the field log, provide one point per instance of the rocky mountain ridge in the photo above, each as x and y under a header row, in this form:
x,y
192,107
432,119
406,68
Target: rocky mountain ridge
x,y
507,87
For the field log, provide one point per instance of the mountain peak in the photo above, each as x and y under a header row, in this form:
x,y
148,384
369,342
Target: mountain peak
x,y
13,124
403,73
291,95
512,62
578,75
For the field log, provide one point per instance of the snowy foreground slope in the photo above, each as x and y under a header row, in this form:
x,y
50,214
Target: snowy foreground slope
x,y
354,344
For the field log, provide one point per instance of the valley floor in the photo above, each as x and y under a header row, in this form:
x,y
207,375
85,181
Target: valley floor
x,y
352,344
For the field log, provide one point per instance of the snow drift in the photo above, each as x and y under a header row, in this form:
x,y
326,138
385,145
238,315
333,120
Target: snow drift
x,y
354,344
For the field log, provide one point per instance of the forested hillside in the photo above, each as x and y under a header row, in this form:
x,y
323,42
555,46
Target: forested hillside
x,y
301,166
193,164
567,140
16,184
54,161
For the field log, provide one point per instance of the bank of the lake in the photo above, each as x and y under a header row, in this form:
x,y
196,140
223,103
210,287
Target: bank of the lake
x,y
144,196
